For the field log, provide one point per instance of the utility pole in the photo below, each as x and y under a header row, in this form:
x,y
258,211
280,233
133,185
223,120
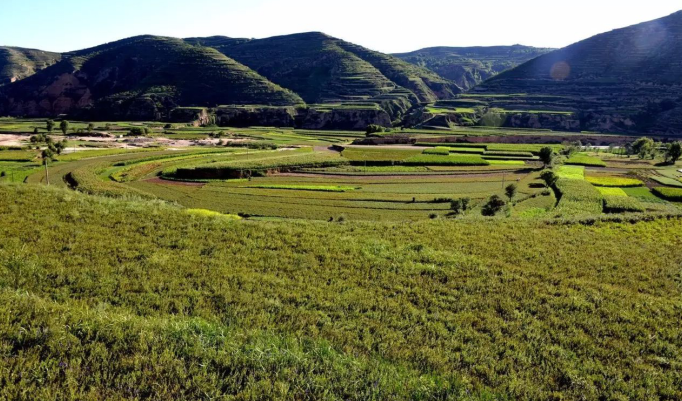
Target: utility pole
x,y
47,173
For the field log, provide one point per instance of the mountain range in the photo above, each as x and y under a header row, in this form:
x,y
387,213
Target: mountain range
x,y
469,66
627,80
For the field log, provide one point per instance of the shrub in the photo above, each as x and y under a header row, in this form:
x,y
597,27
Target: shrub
x,y
549,178
493,206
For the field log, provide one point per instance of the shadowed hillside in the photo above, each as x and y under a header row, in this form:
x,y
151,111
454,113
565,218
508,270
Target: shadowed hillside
x,y
141,78
625,80
469,66
17,63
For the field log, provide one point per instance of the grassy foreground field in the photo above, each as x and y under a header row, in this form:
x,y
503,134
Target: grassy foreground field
x,y
108,299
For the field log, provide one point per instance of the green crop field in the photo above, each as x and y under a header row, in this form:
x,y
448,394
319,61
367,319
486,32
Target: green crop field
x,y
296,310
278,267
609,181
584,160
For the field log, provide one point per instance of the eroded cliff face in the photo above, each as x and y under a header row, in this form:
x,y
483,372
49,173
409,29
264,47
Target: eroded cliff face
x,y
245,116
67,92
301,117
556,122
343,119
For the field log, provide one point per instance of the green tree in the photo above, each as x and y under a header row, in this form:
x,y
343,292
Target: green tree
x,y
49,124
546,156
456,206
673,152
494,205
465,204
64,126
510,191
91,127
47,156
374,128
60,146
549,178
643,147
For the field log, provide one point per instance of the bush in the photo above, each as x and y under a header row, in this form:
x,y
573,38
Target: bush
x,y
493,206
374,128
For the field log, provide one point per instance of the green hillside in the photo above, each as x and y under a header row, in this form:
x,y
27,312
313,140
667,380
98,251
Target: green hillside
x,y
322,68
17,63
141,78
469,66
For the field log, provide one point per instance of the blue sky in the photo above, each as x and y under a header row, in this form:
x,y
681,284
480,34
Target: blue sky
x,y
388,26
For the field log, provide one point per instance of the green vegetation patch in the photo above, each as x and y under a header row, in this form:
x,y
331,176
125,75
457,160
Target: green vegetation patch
x,y
612,191
320,188
259,165
623,182
571,172
211,213
584,160
452,160
17,155
642,193
508,153
439,150
506,162
621,204
577,197
105,299
378,154
671,194
667,181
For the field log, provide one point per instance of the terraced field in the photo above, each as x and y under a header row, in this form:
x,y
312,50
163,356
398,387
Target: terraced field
x,y
295,174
